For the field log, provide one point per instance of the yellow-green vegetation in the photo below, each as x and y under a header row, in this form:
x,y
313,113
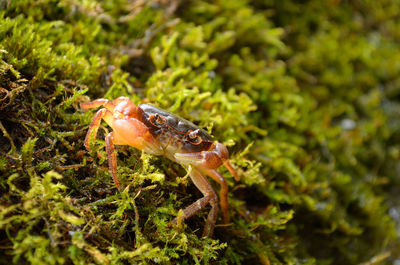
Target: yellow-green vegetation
x,y
306,94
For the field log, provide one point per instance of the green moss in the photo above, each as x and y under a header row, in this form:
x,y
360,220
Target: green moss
x,y
304,94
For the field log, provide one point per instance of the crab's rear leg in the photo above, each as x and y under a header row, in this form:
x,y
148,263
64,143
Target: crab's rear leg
x,y
97,103
112,157
206,189
95,124
110,141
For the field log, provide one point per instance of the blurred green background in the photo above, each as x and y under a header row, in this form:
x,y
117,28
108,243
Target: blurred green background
x,y
305,94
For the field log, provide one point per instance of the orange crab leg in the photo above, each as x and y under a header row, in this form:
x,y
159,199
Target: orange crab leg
x,y
223,192
231,169
119,100
97,103
210,197
112,159
94,125
207,162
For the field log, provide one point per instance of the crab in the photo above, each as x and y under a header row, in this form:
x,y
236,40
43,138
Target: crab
x,y
159,132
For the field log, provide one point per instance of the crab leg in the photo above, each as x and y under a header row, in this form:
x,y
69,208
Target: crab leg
x,y
207,162
94,125
206,189
231,169
97,103
223,193
119,100
112,159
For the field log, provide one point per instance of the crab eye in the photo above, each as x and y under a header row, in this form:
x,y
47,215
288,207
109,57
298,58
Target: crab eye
x,y
157,120
193,134
194,138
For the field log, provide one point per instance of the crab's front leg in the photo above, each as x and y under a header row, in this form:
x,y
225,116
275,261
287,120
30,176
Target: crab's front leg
x,y
91,135
95,124
210,197
207,162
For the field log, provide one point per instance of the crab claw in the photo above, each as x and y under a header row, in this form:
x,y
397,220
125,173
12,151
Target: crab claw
x,y
208,159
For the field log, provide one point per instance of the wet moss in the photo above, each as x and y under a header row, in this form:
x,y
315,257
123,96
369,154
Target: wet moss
x,y
304,94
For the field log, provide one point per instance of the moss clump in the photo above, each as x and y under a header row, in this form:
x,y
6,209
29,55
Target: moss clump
x,y
306,95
